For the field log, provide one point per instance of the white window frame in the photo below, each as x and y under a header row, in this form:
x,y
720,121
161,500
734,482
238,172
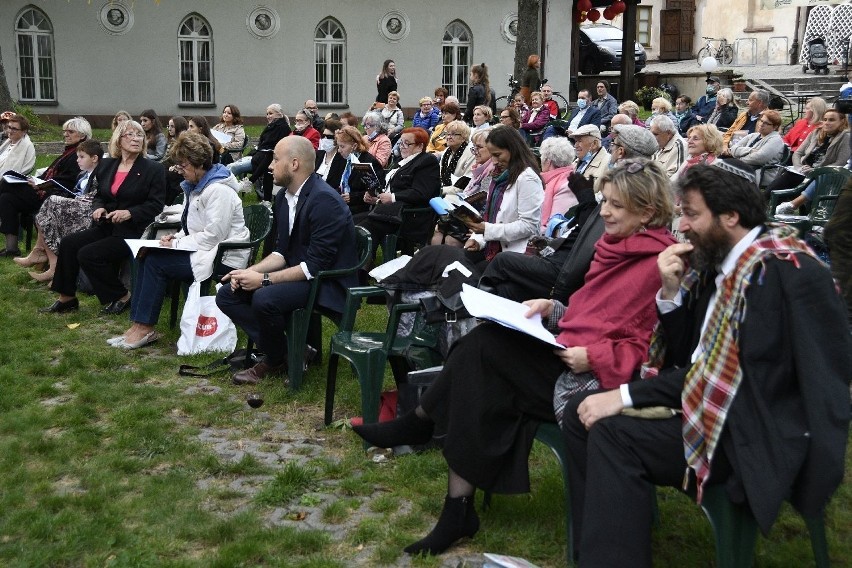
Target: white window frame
x,y
192,48
644,25
37,69
455,75
330,63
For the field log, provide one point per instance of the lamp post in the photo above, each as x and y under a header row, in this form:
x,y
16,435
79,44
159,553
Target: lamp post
x,y
708,65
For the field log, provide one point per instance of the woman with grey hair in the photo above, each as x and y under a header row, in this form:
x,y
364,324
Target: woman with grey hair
x,y
18,199
377,137
725,112
557,157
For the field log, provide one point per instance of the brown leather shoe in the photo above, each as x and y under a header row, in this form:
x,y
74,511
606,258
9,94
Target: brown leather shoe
x,y
253,375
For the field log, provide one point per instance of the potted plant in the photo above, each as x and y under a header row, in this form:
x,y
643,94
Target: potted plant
x,y
646,95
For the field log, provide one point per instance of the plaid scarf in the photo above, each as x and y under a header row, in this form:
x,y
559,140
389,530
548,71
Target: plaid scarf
x,y
713,379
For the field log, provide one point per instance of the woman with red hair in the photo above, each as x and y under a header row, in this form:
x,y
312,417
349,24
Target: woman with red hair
x,y
531,80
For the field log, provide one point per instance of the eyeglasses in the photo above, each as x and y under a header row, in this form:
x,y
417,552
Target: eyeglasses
x,y
407,144
312,109
369,125
448,134
183,166
69,131
474,148
300,121
133,135
616,144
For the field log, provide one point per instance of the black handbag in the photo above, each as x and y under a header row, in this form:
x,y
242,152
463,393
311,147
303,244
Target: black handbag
x,y
387,213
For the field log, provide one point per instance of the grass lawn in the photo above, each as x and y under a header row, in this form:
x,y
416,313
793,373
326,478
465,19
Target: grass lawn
x,y
110,458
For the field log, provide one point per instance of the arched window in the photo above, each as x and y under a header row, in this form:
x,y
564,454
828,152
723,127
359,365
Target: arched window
x,y
34,37
330,62
195,45
456,59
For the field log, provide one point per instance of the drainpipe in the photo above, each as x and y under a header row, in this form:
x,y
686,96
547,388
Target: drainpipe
x,y
794,49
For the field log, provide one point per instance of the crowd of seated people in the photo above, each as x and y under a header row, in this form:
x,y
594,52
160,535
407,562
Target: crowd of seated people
x,y
595,290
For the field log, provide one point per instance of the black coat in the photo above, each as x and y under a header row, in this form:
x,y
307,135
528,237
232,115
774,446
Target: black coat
x,y
335,170
143,193
415,184
476,97
786,432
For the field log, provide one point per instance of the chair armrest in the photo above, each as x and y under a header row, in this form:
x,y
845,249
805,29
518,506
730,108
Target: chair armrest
x,y
778,195
354,296
393,322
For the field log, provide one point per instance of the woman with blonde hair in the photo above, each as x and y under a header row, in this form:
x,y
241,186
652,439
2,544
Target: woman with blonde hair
x,y
456,161
498,384
120,117
482,117
703,145
814,111
392,116
631,109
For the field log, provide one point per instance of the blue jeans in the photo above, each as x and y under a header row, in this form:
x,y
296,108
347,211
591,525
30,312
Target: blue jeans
x,y
241,167
152,276
263,314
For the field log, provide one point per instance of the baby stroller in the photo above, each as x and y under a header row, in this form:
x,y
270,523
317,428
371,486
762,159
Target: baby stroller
x,y
817,56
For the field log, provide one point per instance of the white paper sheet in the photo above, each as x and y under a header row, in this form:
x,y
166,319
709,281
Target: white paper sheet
x,y
507,313
137,244
384,270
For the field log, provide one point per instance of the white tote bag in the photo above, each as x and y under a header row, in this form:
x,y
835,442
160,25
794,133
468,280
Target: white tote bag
x,y
203,326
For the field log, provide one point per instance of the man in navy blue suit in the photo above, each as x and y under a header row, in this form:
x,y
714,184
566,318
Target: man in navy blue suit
x,y
315,232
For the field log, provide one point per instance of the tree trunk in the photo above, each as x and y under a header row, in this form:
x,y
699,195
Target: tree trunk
x,y
6,101
529,18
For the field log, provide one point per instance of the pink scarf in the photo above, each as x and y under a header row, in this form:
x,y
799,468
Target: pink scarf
x,y
558,197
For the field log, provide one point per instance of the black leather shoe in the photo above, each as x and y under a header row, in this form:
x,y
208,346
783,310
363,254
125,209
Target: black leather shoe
x,y
116,307
58,307
10,252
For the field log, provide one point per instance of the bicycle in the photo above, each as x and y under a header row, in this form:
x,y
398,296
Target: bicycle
x,y
724,54
515,88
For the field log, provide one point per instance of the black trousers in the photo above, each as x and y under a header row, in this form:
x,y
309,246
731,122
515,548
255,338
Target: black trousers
x,y
263,314
495,389
613,470
15,199
522,277
100,254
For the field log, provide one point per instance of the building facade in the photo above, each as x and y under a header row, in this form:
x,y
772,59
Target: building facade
x,y
67,57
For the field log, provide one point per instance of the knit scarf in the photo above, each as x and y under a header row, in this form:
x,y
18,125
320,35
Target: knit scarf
x,y
705,158
449,161
712,381
492,206
50,172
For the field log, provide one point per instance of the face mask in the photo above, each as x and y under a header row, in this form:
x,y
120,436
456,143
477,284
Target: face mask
x,y
373,135
326,144
581,104
711,90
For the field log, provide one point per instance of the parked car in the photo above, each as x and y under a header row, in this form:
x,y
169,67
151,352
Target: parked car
x,y
600,49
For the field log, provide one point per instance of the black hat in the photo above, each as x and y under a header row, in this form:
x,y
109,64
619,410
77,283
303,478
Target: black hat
x,y
713,79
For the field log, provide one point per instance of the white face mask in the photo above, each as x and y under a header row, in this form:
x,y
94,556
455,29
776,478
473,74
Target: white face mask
x,y
326,144
581,103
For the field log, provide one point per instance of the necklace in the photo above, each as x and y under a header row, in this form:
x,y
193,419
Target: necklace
x,y
449,163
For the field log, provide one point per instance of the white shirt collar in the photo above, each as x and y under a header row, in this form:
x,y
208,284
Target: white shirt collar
x,y
730,261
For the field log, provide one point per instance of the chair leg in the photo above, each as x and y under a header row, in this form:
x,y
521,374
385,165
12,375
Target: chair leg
x,y
819,544
734,529
330,385
550,435
173,308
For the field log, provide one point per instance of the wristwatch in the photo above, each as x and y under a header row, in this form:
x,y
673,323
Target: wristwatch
x,y
265,281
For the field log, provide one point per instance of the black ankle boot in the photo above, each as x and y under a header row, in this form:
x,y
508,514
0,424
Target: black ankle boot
x,y
457,520
407,429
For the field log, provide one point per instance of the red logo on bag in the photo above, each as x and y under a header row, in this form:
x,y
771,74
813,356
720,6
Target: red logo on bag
x,y
206,326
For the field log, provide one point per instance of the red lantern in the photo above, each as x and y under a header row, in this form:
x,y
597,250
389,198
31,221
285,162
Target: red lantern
x,y
618,7
594,15
584,5
608,13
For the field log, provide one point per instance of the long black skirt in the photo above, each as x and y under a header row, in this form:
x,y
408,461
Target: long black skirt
x,y
495,388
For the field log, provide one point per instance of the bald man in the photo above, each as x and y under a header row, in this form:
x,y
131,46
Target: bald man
x,y
315,232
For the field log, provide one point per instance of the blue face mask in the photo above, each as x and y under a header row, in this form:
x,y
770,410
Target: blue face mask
x,y
711,90
581,104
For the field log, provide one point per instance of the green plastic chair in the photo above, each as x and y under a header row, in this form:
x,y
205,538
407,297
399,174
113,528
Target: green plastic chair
x,y
735,531
368,352
549,434
309,317
392,240
830,181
